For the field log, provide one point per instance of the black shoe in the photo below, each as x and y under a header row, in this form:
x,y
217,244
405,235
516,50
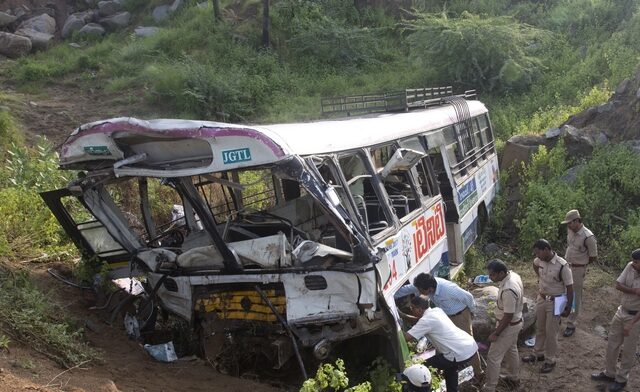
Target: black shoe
x,y
602,376
617,386
568,332
532,358
547,367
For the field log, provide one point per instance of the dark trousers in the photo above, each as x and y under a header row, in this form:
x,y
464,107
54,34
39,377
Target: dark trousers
x,y
449,368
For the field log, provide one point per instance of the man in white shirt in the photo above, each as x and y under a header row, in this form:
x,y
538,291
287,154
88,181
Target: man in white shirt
x,y
454,347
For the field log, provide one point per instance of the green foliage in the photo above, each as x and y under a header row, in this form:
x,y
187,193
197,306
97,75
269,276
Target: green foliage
x,y
623,239
4,342
545,198
33,319
331,377
491,53
603,191
328,377
510,120
381,376
9,135
27,226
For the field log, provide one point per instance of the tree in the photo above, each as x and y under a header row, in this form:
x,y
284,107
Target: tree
x,y
216,10
265,23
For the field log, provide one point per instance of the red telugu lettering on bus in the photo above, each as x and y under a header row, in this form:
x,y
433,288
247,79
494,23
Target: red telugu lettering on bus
x,y
428,231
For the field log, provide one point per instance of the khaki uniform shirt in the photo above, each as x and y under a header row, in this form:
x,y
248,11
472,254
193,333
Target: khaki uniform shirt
x,y
510,297
580,246
554,275
630,278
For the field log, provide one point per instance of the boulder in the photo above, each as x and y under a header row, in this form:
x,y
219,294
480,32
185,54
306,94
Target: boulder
x,y
552,133
108,8
571,175
75,22
577,141
142,31
491,249
92,29
623,87
601,138
116,21
39,40
161,12
520,148
484,319
13,46
174,7
41,23
7,19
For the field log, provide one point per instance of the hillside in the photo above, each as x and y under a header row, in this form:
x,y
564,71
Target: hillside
x,y
537,65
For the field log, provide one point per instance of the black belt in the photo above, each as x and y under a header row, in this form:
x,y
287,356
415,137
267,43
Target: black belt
x,y
459,313
548,297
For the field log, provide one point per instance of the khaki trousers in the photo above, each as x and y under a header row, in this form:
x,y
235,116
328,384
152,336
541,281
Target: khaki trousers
x,y
463,321
547,327
578,283
618,341
505,349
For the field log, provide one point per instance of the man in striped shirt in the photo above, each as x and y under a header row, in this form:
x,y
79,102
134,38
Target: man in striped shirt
x,y
456,303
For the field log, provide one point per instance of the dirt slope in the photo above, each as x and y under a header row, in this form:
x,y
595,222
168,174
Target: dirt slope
x,y
583,353
126,366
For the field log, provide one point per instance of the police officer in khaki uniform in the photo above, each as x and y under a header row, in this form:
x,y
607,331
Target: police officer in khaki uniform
x,y
554,279
582,249
623,323
504,338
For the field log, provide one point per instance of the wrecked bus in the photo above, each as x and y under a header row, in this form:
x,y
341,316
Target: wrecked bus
x,y
291,237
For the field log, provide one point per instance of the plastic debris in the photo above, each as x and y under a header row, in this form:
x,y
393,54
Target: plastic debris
x,y
530,342
481,279
162,352
131,326
131,285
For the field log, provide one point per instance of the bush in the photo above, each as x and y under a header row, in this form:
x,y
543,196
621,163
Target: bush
x,y
546,198
489,53
603,191
27,226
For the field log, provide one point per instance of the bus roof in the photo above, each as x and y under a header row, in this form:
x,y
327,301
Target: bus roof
x,y
186,147
345,134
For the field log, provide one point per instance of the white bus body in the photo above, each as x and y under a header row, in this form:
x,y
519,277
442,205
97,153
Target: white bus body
x,y
303,229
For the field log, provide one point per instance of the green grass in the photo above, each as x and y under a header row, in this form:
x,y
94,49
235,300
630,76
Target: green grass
x,y
30,317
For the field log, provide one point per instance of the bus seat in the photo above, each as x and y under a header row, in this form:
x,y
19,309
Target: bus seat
x,y
400,204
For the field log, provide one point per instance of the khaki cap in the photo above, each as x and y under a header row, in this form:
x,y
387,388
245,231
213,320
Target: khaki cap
x,y
571,215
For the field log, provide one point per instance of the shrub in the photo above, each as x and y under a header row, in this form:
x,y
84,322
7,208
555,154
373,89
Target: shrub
x,y
27,226
546,198
490,53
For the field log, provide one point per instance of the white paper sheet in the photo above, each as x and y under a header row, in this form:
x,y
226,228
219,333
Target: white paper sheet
x,y
559,303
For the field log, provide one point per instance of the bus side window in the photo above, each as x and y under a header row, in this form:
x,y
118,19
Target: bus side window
x,y
485,130
369,207
422,172
398,184
454,152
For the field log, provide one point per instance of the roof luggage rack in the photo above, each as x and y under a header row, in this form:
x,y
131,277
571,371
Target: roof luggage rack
x,y
354,105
